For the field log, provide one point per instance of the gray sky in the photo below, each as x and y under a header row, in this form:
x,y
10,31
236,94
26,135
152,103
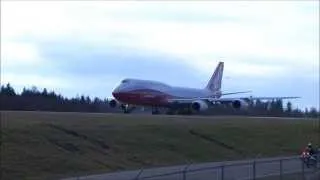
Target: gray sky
x,y
87,47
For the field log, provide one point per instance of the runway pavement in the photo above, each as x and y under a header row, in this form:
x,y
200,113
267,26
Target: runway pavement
x,y
231,170
165,115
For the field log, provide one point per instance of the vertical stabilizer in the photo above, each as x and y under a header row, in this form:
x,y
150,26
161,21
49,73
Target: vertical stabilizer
x,y
214,83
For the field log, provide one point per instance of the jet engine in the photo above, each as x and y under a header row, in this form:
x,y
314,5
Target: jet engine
x,y
240,104
199,105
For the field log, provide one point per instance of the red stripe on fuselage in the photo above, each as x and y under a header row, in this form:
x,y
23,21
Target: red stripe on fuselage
x,y
143,97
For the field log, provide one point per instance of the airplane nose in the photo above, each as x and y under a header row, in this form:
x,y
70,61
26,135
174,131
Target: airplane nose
x,y
116,90
119,92
115,94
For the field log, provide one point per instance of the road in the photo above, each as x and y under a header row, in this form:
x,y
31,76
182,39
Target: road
x,y
232,170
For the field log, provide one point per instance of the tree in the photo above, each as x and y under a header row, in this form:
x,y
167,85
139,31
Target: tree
x,y
8,90
44,92
313,112
34,90
289,107
277,107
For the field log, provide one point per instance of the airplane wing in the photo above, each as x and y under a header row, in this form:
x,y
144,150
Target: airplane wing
x,y
186,100
239,92
226,100
272,98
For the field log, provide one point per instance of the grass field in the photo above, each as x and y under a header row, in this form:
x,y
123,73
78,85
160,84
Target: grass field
x,y
43,145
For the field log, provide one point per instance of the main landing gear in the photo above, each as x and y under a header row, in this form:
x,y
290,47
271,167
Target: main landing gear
x,y
155,110
127,109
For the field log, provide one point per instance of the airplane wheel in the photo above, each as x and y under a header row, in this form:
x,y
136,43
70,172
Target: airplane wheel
x,y
126,111
171,112
155,112
187,111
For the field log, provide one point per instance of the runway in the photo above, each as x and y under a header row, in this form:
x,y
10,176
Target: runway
x,y
231,170
194,116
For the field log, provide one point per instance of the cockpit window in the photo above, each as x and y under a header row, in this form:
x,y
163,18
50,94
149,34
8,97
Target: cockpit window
x,y
124,81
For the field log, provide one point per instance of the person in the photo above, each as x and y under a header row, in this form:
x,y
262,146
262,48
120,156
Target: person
x,y
309,149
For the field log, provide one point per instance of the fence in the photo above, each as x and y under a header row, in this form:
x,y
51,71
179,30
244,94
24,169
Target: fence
x,y
272,168
258,169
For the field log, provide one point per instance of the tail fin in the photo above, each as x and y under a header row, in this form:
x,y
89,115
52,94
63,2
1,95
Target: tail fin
x,y
214,83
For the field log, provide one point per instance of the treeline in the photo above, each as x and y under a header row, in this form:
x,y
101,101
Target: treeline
x,y
274,108
35,100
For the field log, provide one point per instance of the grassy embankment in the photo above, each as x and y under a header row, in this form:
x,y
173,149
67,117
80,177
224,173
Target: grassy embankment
x,y
40,145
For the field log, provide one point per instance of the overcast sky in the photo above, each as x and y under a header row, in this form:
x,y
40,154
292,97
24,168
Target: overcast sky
x,y
87,47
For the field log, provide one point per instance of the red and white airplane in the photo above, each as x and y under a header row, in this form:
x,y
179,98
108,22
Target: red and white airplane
x,y
136,92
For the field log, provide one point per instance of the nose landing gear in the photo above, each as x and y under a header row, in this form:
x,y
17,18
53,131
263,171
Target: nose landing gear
x,y
127,109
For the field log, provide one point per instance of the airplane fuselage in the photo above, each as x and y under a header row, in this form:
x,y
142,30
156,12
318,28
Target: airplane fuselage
x,y
153,93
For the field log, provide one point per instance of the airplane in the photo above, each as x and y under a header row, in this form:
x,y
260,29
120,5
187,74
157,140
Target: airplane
x,y
148,93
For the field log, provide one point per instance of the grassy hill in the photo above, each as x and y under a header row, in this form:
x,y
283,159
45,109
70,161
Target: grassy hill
x,y
44,145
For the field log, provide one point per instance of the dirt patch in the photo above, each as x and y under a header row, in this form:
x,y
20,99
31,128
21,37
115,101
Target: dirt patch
x,y
216,141
66,146
98,142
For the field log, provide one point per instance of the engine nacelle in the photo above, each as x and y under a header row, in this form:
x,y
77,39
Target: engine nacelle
x,y
240,104
199,105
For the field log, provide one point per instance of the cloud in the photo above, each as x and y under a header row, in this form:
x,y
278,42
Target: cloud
x,y
267,31
69,43
93,61
19,54
95,69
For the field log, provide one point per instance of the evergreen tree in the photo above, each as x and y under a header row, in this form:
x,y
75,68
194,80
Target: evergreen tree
x,y
289,107
313,112
33,99
8,90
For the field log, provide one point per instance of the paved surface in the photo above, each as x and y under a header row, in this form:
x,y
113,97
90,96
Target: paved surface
x,y
231,170
173,116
